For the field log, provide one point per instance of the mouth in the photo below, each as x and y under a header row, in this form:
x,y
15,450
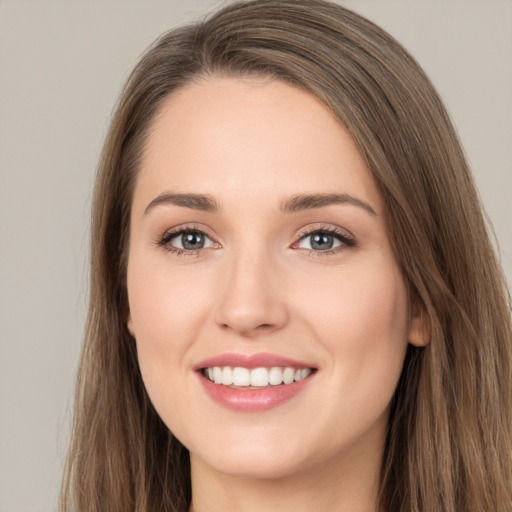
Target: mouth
x,y
253,383
239,377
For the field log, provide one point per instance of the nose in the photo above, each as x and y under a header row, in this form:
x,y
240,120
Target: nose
x,y
252,300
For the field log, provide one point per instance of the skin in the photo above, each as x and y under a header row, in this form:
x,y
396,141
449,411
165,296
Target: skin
x,y
257,286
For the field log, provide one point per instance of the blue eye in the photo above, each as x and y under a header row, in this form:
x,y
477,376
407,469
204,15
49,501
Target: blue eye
x,y
189,241
186,240
324,240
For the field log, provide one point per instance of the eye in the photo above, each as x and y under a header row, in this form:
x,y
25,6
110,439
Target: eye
x,y
186,240
324,240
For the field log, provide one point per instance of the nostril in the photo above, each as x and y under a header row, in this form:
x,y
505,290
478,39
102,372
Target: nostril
x,y
261,327
264,326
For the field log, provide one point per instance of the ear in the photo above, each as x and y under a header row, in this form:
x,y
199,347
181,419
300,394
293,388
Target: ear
x,y
129,324
419,328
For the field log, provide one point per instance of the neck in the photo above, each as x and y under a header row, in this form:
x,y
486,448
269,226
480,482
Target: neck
x,y
348,487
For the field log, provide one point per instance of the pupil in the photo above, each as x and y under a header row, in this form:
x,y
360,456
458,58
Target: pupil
x,y
322,241
192,241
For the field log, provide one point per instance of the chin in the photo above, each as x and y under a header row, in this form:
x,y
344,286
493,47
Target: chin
x,y
260,467
266,457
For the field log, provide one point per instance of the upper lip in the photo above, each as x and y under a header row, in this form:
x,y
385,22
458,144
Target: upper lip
x,y
259,360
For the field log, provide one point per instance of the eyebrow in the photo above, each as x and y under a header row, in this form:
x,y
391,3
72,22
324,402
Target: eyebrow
x,y
310,201
201,202
207,203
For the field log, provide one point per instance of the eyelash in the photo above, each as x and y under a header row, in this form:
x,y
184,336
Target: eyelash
x,y
164,240
347,241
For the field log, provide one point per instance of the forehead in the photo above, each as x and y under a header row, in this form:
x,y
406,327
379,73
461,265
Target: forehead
x,y
252,137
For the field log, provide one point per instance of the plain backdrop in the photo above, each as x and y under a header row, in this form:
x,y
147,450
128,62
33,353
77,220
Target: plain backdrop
x,y
62,65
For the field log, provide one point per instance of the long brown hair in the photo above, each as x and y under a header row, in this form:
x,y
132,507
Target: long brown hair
x,y
449,445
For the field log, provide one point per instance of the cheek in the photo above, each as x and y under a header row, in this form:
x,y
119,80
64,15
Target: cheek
x,y
167,308
367,305
165,303
361,321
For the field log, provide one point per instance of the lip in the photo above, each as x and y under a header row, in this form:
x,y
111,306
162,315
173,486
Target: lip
x,y
252,400
251,361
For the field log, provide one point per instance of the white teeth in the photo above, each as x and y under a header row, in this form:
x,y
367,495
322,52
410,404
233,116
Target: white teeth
x,y
304,373
257,377
217,375
275,376
227,376
241,376
288,375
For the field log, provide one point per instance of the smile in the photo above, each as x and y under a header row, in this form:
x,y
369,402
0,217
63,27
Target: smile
x,y
254,382
255,378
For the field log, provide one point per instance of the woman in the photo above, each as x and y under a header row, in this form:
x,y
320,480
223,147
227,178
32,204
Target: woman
x,y
294,301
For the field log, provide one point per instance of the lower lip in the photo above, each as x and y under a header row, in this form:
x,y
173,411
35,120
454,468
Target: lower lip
x,y
253,400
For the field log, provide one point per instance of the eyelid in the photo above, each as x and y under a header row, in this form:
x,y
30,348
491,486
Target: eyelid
x,y
326,228
164,239
344,236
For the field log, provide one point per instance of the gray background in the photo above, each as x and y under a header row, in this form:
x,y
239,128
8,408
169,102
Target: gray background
x,y
62,65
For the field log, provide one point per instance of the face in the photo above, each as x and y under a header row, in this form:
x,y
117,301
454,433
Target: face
x,y
270,315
